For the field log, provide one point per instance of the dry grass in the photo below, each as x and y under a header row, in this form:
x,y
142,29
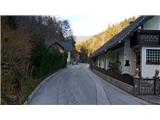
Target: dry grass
x,y
16,52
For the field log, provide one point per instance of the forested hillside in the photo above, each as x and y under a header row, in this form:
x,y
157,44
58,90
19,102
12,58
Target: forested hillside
x,y
26,59
98,40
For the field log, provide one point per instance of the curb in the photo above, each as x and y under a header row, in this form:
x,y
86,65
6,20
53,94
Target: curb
x,y
149,101
41,83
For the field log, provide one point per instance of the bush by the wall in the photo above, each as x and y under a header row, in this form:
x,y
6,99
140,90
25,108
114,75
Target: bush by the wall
x,y
114,66
47,60
83,55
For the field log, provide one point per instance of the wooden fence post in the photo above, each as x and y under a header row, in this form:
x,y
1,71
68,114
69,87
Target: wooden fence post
x,y
157,86
136,86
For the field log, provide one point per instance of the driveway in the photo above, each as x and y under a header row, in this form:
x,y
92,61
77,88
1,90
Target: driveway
x,y
77,85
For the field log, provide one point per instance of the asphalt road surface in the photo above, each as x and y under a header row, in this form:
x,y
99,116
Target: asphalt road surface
x,y
77,85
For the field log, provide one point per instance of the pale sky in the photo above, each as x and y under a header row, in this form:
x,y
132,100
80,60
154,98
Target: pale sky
x,y
86,25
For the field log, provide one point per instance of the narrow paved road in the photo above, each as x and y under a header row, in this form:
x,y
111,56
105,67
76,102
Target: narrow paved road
x,y
78,85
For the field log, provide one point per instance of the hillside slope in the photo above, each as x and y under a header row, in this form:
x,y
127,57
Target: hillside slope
x,y
98,40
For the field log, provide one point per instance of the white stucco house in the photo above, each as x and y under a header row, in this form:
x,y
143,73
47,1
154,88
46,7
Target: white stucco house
x,y
63,46
136,48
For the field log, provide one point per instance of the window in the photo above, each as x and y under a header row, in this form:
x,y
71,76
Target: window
x,y
127,63
153,56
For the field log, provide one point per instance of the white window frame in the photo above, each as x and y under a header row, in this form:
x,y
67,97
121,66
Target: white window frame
x,y
152,56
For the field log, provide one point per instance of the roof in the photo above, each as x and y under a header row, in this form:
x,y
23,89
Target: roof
x,y
120,37
66,44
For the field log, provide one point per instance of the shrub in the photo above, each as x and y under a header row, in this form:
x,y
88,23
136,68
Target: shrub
x,y
156,74
47,60
84,55
114,66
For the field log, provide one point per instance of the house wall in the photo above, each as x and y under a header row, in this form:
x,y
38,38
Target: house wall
x,y
147,71
99,62
111,56
57,47
107,61
125,53
121,59
129,55
102,62
152,24
96,62
69,58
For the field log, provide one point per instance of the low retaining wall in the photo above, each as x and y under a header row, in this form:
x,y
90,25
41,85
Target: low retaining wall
x,y
126,87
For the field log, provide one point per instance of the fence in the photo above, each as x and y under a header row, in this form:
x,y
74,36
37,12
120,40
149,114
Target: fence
x,y
147,86
140,86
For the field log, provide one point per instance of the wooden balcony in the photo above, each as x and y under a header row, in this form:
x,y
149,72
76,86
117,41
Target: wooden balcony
x,y
146,37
